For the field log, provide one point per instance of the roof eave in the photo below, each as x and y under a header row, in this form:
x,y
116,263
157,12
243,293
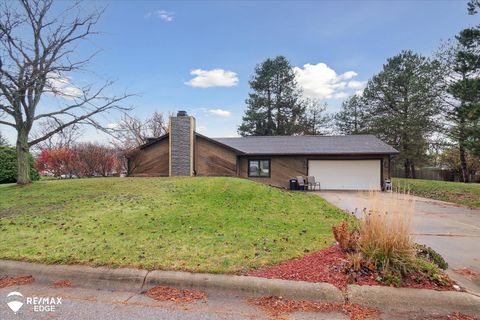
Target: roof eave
x,y
238,152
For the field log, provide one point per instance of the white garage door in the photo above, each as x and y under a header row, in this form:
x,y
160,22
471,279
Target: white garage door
x,y
346,174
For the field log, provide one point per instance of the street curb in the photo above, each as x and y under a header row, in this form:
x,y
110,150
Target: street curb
x,y
81,276
252,285
136,280
414,299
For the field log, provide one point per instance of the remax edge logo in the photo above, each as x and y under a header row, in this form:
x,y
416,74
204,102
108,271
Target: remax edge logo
x,y
15,305
38,304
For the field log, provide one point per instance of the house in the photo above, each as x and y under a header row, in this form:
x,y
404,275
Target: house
x,y
359,162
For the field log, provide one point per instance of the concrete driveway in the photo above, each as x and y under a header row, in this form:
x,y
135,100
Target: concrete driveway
x,y
452,230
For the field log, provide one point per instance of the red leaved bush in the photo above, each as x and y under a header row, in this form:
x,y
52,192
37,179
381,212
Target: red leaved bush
x,y
347,239
82,160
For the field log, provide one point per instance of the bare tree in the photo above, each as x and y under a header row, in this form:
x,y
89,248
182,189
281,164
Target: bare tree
x,y
3,141
157,125
65,138
36,58
132,132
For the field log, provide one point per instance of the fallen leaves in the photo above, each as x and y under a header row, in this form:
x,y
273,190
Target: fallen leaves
x,y
451,316
466,272
276,306
173,294
62,284
9,281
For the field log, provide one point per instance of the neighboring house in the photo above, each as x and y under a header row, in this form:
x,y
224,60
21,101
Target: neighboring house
x,y
360,162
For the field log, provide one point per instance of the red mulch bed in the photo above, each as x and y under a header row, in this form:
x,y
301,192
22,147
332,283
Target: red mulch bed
x,y
8,281
176,295
328,265
62,284
276,306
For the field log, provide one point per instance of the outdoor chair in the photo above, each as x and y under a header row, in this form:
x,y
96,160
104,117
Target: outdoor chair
x,y
312,184
301,183
388,185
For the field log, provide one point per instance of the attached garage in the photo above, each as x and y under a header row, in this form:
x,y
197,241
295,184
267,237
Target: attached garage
x,y
347,174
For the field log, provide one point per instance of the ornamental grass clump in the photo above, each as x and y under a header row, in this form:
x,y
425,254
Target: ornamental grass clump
x,y
385,235
380,245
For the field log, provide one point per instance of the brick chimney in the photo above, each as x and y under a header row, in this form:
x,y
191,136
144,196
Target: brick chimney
x,y
182,137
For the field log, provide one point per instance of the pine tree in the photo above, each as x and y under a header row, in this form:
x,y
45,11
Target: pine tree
x,y
352,118
403,102
273,106
316,121
463,85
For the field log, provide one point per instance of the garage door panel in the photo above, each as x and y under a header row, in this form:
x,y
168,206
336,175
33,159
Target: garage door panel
x,y
346,174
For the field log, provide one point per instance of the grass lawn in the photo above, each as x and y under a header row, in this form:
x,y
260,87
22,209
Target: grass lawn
x,y
456,192
195,224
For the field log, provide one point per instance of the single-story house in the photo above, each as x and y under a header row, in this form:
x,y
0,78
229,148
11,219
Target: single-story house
x,y
357,162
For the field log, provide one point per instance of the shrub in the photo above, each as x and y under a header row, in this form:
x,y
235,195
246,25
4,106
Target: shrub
x,y
8,166
385,237
431,255
347,239
382,245
431,270
82,160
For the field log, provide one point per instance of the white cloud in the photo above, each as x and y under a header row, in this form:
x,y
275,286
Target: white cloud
x,y
60,85
161,14
340,95
212,78
113,126
319,81
354,84
220,113
201,129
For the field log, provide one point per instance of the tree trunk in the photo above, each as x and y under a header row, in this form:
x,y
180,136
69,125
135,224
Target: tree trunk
x,y
407,168
23,165
463,163
413,171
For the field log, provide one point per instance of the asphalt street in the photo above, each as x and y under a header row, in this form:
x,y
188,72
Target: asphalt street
x,y
79,303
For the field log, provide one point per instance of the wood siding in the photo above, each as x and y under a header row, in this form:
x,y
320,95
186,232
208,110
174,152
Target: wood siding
x,y
151,161
284,168
212,159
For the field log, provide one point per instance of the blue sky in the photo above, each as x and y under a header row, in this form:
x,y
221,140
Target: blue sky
x,y
151,48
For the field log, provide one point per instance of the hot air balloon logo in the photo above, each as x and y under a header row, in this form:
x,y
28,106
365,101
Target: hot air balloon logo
x,y
15,305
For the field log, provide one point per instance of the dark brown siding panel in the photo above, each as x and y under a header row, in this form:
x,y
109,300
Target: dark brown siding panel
x,y
212,159
151,161
282,169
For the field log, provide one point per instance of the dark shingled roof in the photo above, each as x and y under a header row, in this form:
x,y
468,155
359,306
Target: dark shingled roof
x,y
328,145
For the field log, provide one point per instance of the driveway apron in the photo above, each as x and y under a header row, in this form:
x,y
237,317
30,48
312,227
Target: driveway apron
x,y
452,230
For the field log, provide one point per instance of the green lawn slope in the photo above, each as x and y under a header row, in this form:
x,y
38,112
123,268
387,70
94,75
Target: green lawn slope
x,y
197,224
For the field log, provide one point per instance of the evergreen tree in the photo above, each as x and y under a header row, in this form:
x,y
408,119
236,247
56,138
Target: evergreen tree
x,y
463,87
403,101
352,118
317,121
473,6
273,106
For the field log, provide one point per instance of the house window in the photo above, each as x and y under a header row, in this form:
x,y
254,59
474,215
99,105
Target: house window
x,y
259,168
